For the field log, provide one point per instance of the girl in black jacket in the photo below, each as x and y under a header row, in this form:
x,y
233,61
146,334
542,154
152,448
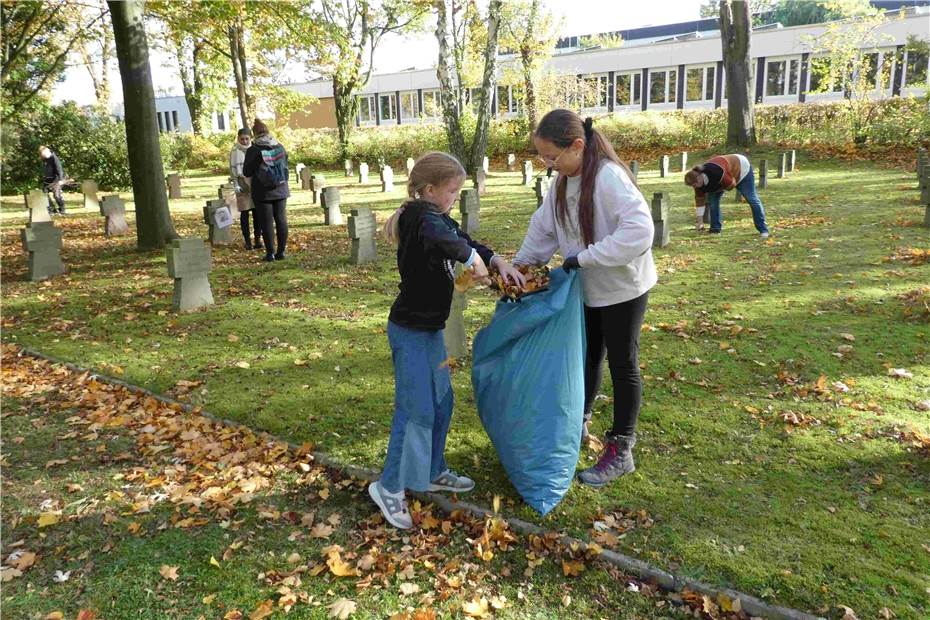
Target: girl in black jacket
x,y
429,243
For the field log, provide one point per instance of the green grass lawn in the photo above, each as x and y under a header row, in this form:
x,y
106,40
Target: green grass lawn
x,y
757,473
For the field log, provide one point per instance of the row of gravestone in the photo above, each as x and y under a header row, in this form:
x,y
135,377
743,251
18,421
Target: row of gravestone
x,y
923,182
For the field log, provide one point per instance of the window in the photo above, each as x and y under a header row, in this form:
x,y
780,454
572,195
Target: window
x,y
821,80
794,68
408,105
594,91
161,122
663,85
432,106
781,77
366,109
627,87
915,69
174,119
699,83
388,108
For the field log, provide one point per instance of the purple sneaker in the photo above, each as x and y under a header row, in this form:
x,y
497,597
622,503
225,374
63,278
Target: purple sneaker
x,y
615,461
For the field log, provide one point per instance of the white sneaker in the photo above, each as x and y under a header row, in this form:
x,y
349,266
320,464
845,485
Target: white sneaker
x,y
393,506
763,236
451,481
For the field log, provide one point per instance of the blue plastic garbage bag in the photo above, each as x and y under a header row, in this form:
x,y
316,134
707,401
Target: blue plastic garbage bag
x,y
528,377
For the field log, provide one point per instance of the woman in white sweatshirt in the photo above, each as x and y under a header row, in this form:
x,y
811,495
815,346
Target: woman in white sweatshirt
x,y
595,216
244,202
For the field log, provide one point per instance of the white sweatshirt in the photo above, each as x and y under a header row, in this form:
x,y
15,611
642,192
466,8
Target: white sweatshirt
x,y
236,160
618,267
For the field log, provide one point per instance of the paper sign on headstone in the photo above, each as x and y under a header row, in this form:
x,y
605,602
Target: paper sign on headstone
x,y
329,200
363,173
527,172
37,205
114,216
42,241
218,235
387,179
189,263
174,185
660,209
469,207
362,229
89,189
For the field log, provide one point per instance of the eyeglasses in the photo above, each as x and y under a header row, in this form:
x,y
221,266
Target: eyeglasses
x,y
551,162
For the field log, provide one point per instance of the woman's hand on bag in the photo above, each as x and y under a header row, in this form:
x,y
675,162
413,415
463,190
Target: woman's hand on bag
x,y
479,270
509,273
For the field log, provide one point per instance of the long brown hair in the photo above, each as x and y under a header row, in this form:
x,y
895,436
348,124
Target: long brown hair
x,y
562,128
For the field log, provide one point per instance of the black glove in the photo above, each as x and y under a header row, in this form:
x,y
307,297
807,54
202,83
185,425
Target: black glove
x,y
570,264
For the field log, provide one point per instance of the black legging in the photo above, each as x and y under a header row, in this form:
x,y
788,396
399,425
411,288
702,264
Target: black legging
x,y
276,210
256,224
614,331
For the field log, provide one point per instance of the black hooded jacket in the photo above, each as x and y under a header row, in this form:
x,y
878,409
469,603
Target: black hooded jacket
x,y
51,169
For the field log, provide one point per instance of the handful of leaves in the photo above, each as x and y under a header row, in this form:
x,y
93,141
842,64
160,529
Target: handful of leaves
x,y
537,279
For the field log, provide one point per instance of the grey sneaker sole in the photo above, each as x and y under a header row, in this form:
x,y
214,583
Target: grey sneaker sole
x,y
441,487
598,484
376,497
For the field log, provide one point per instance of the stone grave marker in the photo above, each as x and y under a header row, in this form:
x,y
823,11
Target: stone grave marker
x,y
217,215
783,166
921,160
479,181
363,173
485,165
763,173
189,263
362,229
663,166
660,209
527,172
329,199
317,183
298,169
347,166
174,185
387,179
511,162
792,156
925,189
541,188
454,333
89,189
37,205
410,163
306,178
225,190
683,160
114,216
469,206
42,241
634,168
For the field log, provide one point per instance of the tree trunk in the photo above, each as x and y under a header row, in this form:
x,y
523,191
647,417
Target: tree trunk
x,y
488,85
450,113
196,102
346,105
234,35
735,37
526,58
153,220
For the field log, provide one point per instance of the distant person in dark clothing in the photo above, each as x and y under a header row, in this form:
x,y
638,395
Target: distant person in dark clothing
x,y
53,177
265,168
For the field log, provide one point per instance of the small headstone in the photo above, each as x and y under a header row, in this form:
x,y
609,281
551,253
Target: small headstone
x,y
37,205
634,168
329,199
541,188
217,215
763,173
189,264
89,189
792,155
42,241
479,180
527,172
469,206
683,161
225,190
317,183
363,173
511,162
387,179
347,165
410,163
114,216
174,185
921,160
663,166
306,178
454,333
485,165
297,170
925,190
660,209
782,165
362,228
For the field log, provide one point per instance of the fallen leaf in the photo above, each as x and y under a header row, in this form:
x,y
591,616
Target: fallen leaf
x,y
49,518
476,608
572,568
321,530
208,600
342,609
232,338
8,573
243,365
848,613
22,560
86,614
169,572
408,588
264,609
340,567
900,373
55,615
214,562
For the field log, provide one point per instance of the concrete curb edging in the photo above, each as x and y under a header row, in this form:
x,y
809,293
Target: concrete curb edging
x,y
664,579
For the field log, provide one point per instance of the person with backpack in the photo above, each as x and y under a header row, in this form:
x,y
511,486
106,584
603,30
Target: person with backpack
x,y
265,168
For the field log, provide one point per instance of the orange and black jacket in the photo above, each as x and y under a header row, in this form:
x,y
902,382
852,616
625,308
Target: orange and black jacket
x,y
722,174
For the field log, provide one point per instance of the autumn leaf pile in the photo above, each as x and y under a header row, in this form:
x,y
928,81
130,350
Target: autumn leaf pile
x,y
537,279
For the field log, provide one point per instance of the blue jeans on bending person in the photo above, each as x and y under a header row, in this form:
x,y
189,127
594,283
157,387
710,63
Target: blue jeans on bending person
x,y
423,403
746,187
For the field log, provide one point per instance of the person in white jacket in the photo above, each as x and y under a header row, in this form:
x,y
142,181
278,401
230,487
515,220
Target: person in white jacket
x,y
595,216
244,202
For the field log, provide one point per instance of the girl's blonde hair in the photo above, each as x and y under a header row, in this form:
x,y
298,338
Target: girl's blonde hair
x,y
434,168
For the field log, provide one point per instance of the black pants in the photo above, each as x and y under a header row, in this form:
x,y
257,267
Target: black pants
x,y
256,224
614,331
269,212
55,188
